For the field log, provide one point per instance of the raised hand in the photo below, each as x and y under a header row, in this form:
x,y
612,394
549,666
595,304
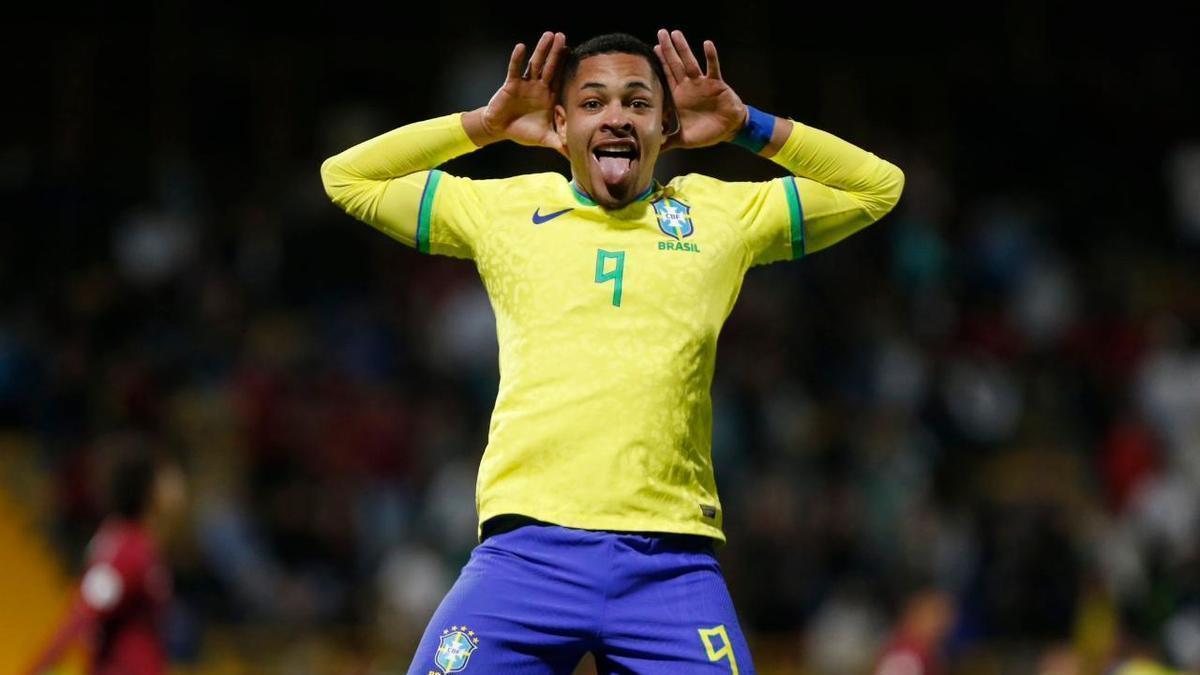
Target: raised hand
x,y
709,110
522,110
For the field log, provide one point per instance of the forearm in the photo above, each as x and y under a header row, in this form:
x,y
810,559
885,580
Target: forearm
x,y
811,153
419,146
77,624
781,129
475,126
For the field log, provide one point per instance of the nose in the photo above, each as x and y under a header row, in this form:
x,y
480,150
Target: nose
x,y
618,122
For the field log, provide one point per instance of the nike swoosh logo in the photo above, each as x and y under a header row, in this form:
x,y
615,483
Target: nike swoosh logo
x,y
538,218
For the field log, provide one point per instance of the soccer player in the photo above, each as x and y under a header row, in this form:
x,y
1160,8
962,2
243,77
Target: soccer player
x,y
597,505
126,587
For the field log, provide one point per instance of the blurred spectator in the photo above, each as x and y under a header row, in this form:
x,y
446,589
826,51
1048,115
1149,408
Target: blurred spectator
x,y
123,598
916,646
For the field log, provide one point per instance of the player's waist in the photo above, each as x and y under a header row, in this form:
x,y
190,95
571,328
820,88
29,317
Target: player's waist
x,y
511,522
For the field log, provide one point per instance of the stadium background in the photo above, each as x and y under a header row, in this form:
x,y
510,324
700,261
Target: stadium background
x,y
984,411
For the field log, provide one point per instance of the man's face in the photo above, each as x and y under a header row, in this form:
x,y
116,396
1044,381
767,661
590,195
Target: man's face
x,y
611,121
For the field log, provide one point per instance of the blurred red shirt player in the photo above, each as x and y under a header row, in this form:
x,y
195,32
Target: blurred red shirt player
x,y
915,647
126,587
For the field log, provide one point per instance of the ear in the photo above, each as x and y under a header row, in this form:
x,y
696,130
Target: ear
x,y
560,123
670,123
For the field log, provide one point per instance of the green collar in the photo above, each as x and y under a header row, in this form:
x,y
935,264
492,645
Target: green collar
x,y
583,197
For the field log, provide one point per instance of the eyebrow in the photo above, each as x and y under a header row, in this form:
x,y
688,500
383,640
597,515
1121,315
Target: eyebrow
x,y
635,84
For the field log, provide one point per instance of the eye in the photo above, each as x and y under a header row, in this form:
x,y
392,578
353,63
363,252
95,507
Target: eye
x,y
640,104
592,104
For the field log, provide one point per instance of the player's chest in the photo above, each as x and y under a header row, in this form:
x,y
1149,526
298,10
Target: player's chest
x,y
669,254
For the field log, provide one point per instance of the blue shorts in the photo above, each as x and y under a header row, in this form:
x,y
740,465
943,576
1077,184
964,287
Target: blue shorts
x,y
534,600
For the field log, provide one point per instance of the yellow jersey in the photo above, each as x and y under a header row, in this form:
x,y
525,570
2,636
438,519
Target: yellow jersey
x,y
607,320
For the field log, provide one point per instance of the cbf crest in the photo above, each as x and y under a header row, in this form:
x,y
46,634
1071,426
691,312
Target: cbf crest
x,y
454,651
674,218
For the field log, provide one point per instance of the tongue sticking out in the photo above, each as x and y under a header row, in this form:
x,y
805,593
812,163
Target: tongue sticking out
x,y
614,169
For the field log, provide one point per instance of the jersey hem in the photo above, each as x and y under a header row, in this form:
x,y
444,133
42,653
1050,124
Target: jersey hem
x,y
605,523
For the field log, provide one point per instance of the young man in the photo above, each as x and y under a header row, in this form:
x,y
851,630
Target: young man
x,y
597,504
126,586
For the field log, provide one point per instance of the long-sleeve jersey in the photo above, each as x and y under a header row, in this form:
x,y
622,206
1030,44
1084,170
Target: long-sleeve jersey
x,y
607,320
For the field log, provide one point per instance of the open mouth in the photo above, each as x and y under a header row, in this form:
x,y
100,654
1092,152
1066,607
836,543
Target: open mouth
x,y
616,160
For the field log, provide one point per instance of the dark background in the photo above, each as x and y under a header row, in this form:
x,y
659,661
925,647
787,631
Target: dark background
x,y
991,397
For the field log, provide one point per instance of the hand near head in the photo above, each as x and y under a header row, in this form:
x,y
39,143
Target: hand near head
x,y
523,108
709,110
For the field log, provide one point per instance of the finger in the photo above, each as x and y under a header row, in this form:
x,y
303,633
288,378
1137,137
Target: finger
x,y
671,81
514,61
690,65
670,56
558,48
713,66
538,60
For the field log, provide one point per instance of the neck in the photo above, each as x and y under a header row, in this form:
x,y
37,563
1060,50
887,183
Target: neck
x,y
637,195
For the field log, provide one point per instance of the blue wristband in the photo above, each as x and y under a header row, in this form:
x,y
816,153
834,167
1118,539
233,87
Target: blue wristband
x,y
757,132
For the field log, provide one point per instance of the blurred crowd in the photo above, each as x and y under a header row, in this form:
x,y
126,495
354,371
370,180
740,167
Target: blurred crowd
x,y
966,440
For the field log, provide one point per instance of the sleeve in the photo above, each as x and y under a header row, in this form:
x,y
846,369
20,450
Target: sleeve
x,y
390,182
835,190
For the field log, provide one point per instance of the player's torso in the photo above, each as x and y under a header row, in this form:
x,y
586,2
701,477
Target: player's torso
x,y
131,549
129,638
608,325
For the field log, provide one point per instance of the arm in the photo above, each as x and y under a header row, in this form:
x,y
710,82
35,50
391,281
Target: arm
x,y
79,624
383,181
